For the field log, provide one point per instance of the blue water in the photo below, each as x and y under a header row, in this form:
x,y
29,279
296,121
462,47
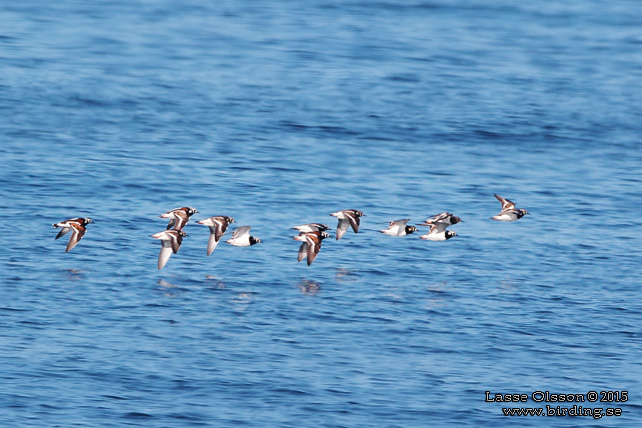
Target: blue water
x,y
277,113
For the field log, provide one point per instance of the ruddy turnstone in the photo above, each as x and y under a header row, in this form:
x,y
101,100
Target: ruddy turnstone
x,y
218,225
312,227
311,244
444,217
76,225
170,242
347,217
178,217
399,228
438,232
509,212
242,238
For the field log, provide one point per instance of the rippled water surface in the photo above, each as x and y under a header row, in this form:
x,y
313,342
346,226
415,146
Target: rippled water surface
x,y
277,113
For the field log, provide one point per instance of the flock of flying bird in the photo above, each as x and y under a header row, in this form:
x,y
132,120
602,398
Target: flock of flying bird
x,y
310,235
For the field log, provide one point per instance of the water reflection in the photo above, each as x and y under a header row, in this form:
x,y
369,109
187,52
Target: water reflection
x,y
168,289
437,291
214,282
243,300
166,284
309,287
73,274
346,275
509,284
440,287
